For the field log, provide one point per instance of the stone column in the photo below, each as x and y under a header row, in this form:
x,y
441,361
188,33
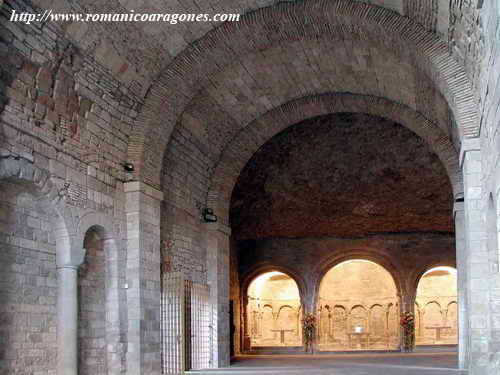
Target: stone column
x,y
67,312
474,261
246,327
142,207
218,278
406,304
114,305
463,319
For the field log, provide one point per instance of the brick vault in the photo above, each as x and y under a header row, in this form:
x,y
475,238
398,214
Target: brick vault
x,y
150,172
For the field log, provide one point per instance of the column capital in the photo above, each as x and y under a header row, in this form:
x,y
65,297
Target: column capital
x,y
469,145
138,186
74,259
458,207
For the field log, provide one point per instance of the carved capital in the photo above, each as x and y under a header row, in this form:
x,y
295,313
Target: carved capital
x,y
73,259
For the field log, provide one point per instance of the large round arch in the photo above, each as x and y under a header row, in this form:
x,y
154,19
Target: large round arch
x,y
358,308
272,310
436,307
247,142
345,21
30,203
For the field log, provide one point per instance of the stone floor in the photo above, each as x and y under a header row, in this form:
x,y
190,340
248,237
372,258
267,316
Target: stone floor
x,y
344,364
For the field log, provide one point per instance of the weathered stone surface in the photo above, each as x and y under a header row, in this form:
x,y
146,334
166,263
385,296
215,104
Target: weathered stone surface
x,y
78,100
343,175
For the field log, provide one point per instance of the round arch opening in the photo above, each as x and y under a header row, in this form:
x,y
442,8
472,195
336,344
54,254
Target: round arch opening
x,y
274,311
436,307
358,308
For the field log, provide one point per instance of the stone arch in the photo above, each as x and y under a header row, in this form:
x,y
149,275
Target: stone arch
x,y
99,285
343,255
362,318
49,196
247,142
434,302
246,324
451,317
259,269
342,19
416,275
283,307
45,242
103,222
433,305
368,311
358,306
19,169
377,323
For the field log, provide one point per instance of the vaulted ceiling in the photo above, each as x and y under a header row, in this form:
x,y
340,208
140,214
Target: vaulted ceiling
x,y
342,175
150,46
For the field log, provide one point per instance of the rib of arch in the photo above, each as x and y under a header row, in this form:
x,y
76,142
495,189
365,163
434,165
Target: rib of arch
x,y
367,254
261,29
261,269
37,181
247,142
69,228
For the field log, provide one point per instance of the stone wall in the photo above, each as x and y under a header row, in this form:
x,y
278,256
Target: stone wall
x,y
64,111
274,304
405,256
436,306
185,183
71,116
481,158
92,307
234,284
358,295
28,284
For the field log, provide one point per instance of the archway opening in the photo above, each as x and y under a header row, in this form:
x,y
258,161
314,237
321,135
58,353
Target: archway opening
x,y
274,311
28,280
436,307
358,308
92,305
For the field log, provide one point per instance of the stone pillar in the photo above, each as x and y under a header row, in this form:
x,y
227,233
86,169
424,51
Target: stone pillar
x,y
67,312
406,304
246,327
218,278
474,261
463,319
114,304
142,208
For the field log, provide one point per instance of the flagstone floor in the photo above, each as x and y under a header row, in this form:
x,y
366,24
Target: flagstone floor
x,y
344,364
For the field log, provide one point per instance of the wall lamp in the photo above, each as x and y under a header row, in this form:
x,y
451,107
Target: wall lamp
x,y
128,167
208,215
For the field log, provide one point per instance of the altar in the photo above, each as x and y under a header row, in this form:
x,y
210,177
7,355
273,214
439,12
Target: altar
x,y
357,338
282,334
439,330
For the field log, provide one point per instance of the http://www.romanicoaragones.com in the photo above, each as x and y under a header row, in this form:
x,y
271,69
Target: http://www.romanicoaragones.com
x,y
131,16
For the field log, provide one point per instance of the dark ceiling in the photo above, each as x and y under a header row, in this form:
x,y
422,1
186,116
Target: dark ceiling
x,y
344,175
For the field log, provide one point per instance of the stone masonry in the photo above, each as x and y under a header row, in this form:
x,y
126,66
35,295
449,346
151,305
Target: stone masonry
x,y
83,241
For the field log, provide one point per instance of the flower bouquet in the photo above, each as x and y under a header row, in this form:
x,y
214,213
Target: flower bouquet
x,y
309,326
408,324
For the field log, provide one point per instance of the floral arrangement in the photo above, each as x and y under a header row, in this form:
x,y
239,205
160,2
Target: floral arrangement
x,y
309,326
408,324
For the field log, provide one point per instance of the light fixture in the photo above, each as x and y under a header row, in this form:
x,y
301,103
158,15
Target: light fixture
x,y
209,216
129,167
